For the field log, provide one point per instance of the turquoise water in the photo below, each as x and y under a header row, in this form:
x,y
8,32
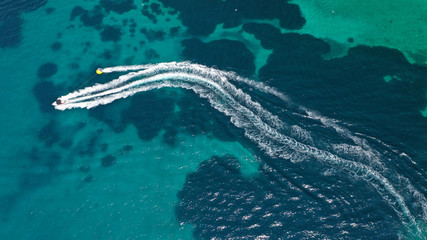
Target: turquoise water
x,y
172,163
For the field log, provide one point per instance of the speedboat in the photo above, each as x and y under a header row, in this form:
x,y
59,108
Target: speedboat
x,y
58,101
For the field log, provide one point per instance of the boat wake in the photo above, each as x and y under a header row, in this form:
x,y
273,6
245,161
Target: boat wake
x,y
260,126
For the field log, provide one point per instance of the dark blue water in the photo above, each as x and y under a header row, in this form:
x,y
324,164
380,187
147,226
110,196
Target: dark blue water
x,y
165,164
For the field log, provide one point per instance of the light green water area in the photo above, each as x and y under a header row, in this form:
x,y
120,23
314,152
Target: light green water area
x,y
400,24
149,176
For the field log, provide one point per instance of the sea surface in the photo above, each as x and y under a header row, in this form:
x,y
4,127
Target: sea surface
x,y
243,119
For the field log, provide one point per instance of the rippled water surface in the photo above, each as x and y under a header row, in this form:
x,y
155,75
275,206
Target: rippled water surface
x,y
212,120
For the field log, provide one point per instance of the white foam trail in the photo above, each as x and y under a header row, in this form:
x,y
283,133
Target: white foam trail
x,y
301,134
259,125
124,68
260,86
310,113
328,122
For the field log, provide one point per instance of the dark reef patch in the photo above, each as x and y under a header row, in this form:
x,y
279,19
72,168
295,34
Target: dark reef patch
x,y
300,52
153,35
139,112
174,31
149,112
118,6
107,55
110,114
34,155
11,21
88,178
104,147
108,161
53,160
77,11
56,46
146,12
30,181
196,116
111,33
222,54
221,203
49,133
266,33
50,10
46,93
92,18
84,168
126,149
297,53
169,137
66,144
47,159
132,27
155,8
296,67
47,70
88,147
10,32
152,111
129,60
172,12
79,125
202,16
74,66
151,54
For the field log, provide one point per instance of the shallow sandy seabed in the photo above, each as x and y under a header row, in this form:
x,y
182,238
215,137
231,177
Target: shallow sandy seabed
x,y
396,24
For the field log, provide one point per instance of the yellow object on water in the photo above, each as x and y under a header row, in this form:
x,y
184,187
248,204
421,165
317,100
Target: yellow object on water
x,y
99,71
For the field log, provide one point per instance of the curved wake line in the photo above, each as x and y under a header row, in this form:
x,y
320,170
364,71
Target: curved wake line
x,y
259,125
